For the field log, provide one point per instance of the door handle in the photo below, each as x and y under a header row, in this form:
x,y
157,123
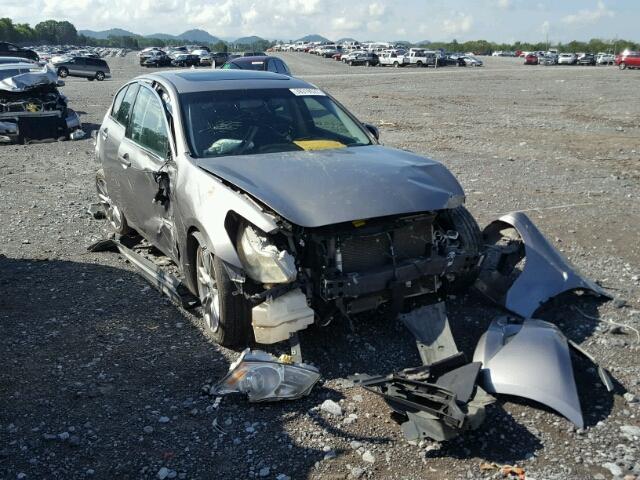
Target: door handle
x,y
105,133
124,160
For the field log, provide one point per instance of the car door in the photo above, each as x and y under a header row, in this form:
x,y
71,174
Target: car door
x,y
145,154
110,137
76,66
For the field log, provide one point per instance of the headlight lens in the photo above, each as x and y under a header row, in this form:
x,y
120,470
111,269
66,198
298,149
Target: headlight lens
x,y
262,377
261,258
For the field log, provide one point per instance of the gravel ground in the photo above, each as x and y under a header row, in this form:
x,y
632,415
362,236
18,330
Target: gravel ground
x,y
103,376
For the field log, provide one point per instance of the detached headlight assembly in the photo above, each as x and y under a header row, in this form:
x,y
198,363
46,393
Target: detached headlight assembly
x,y
264,378
262,260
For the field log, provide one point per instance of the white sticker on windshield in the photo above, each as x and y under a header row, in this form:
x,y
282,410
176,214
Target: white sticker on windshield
x,y
302,92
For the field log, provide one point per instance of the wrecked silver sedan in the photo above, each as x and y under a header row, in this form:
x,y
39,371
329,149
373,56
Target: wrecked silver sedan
x,y
31,107
277,204
280,209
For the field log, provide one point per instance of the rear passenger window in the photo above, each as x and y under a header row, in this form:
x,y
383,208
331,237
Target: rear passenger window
x,y
124,111
147,126
280,67
117,102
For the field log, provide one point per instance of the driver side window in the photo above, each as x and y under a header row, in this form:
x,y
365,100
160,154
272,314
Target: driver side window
x,y
147,127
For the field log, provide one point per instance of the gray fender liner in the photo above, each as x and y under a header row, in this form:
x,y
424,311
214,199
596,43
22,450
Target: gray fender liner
x,y
546,271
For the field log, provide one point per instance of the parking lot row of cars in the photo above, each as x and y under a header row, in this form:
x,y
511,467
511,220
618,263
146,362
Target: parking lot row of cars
x,y
386,54
627,59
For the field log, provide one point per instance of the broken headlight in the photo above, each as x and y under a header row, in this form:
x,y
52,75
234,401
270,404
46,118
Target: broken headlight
x,y
262,377
262,260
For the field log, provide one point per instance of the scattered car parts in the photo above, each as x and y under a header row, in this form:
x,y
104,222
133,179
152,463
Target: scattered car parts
x,y
531,359
265,378
522,269
440,399
161,279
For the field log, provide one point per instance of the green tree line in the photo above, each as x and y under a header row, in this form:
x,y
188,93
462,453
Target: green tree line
x,y
64,33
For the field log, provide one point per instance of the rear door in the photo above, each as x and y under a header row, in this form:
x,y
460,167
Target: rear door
x,y
145,154
110,137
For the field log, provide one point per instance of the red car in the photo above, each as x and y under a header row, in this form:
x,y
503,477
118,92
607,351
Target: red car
x,y
628,59
531,59
337,56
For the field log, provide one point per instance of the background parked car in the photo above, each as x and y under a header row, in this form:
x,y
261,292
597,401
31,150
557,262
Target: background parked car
x,y
11,50
219,58
89,68
367,59
605,59
264,62
567,59
586,59
185,60
531,59
160,60
628,59
470,61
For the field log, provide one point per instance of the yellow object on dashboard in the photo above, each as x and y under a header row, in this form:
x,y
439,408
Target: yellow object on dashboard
x,y
318,144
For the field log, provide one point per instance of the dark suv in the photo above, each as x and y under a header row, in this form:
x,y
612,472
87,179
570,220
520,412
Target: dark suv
x,y
11,50
586,59
90,68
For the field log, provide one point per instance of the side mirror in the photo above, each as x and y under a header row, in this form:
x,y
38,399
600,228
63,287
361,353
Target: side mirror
x,y
373,130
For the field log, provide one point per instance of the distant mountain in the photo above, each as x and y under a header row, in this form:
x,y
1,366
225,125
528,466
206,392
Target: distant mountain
x,y
423,42
313,38
161,36
197,35
347,39
248,40
105,34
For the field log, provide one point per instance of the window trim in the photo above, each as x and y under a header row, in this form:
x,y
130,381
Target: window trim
x,y
112,115
154,155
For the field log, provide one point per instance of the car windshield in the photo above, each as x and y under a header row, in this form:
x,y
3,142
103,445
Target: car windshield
x,y
246,122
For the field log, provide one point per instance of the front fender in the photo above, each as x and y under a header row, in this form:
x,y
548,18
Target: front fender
x,y
546,271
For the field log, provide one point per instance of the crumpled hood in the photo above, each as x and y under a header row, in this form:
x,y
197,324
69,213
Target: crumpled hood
x,y
26,81
317,188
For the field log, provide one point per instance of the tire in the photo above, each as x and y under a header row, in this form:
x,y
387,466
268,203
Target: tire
x,y
100,76
63,72
227,315
351,63
419,64
367,63
460,220
396,64
622,66
114,215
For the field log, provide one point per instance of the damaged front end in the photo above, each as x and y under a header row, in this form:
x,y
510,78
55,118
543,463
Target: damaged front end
x,y
31,107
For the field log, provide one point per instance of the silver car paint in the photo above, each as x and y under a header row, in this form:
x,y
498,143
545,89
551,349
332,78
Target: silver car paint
x,y
531,360
546,273
204,191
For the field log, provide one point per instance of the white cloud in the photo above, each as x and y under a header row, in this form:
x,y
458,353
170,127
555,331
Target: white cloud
x,y
457,24
376,9
588,17
504,4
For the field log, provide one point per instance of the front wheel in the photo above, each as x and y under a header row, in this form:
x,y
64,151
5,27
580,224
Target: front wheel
x,y
622,66
100,76
227,314
63,72
469,240
114,215
367,63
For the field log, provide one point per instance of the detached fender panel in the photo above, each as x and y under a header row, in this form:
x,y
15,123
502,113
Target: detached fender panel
x,y
546,271
530,359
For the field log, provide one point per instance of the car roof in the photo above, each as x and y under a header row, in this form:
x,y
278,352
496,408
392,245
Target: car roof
x,y
190,80
252,58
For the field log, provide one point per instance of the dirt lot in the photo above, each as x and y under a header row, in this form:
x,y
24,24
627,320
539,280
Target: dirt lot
x,y
103,376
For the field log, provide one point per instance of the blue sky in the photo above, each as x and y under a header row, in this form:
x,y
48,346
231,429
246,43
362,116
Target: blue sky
x,y
496,20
